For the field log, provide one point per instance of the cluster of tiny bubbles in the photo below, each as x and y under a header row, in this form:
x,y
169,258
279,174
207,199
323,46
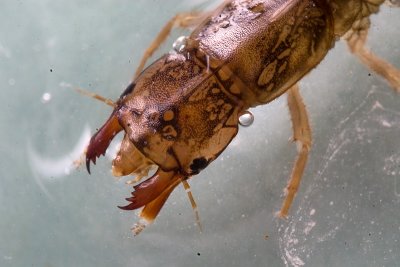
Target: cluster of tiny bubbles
x,y
246,119
180,44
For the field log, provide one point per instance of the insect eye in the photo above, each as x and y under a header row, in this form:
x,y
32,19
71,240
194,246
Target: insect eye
x,y
128,90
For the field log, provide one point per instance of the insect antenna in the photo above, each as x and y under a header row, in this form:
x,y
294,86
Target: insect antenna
x,y
96,96
193,203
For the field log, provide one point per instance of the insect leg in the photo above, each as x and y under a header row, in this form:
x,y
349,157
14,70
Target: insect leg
x,y
182,20
194,205
302,137
356,41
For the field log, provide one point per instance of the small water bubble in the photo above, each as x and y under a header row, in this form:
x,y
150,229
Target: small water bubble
x,y
46,97
246,119
11,82
180,44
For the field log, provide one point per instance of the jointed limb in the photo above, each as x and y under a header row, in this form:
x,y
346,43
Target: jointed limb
x,y
356,41
302,137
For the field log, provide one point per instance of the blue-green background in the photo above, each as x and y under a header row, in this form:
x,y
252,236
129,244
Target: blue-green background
x,y
345,214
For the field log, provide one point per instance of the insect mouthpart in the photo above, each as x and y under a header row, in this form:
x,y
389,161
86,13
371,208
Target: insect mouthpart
x,y
102,139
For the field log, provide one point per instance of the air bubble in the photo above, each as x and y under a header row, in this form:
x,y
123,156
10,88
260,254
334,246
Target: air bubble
x,y
46,97
180,44
246,119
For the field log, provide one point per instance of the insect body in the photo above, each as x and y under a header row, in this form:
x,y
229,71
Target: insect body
x,y
183,110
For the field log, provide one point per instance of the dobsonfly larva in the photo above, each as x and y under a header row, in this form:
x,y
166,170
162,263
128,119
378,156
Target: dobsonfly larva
x,y
183,110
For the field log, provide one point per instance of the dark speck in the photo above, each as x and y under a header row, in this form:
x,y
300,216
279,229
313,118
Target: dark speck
x,y
198,253
51,70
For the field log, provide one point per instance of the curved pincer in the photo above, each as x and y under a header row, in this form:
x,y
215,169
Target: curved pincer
x,y
102,139
151,195
147,191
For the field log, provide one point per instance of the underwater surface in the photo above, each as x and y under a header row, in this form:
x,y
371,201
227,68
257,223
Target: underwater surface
x,y
55,214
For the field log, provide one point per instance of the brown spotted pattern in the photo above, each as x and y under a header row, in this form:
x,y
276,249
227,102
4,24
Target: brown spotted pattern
x,y
182,111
